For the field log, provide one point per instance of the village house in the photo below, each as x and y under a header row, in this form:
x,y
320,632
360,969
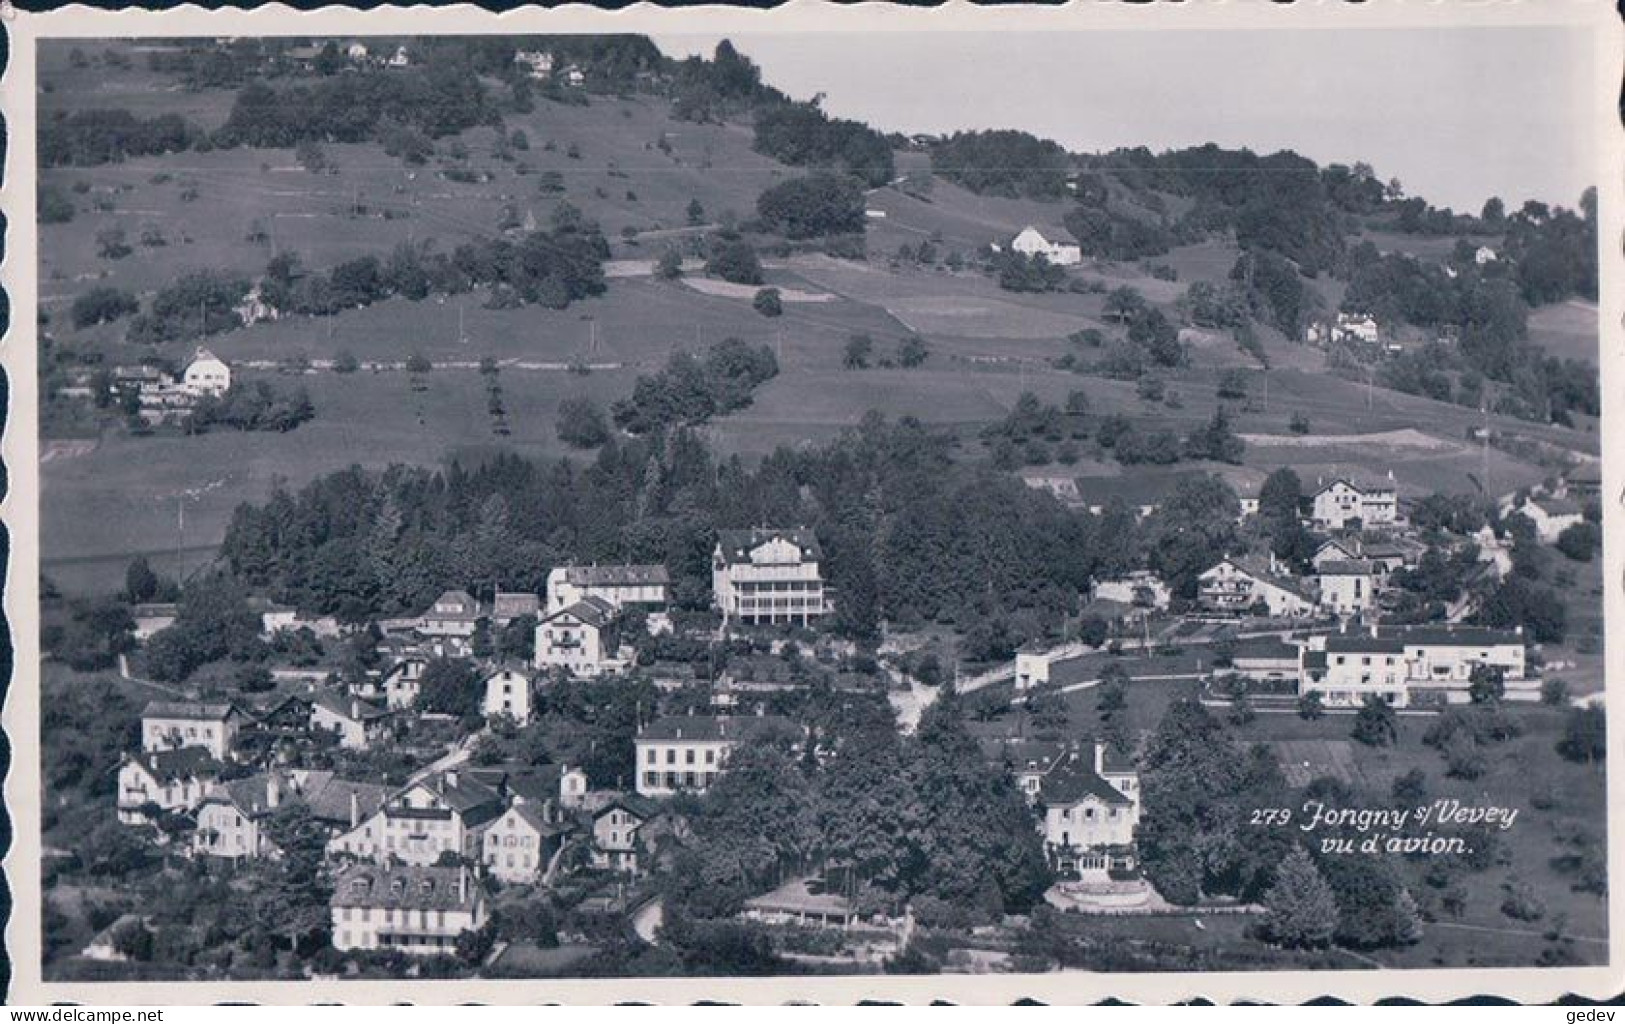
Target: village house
x,y
506,607
357,52
1408,665
1551,516
170,780
573,787
1345,501
1238,586
1359,327
230,818
536,63
357,723
582,638
1334,550
400,59
688,752
206,374
441,814
1031,242
1484,254
1091,801
453,614
507,693
575,77
417,910
1028,761
169,725
619,586
519,843
615,828
766,576
1347,587
401,683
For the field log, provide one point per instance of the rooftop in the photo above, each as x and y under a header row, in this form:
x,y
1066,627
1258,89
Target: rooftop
x,y
181,763
591,611
1346,567
405,887
712,728
190,710
736,545
614,575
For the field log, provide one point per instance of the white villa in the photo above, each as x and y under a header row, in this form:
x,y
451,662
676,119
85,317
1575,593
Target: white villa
x,y
1347,586
582,638
419,911
1408,665
507,692
688,752
170,725
1552,516
616,585
1091,800
765,576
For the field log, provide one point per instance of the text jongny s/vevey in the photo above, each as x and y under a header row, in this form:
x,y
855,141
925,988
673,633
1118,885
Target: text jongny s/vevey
x,y
1317,814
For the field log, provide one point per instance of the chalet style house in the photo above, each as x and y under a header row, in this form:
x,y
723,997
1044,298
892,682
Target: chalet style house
x,y
1344,501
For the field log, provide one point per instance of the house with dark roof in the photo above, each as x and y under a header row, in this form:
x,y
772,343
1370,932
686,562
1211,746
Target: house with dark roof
x,y
616,828
645,586
1091,805
687,753
768,576
517,845
357,723
1345,500
505,607
169,725
442,813
169,780
1411,665
583,639
413,909
454,614
1237,585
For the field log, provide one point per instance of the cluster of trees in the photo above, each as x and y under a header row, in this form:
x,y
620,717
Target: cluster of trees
x,y
812,206
198,303
692,389
1197,842
802,135
213,621
443,97
1113,235
102,305
85,138
1151,337
1019,272
256,406
916,819
1003,163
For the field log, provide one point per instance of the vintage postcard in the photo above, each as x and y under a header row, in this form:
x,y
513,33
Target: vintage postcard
x,y
823,504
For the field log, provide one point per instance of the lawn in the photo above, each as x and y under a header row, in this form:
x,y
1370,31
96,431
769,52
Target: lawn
x,y
1567,330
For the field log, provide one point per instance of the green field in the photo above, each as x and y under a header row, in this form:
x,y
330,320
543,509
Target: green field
x,y
633,167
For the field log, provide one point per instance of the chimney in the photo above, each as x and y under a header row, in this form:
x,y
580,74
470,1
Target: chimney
x,y
1100,758
355,808
355,709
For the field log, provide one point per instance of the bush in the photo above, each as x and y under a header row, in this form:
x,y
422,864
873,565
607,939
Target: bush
x,y
581,424
768,303
102,305
819,204
734,261
1580,541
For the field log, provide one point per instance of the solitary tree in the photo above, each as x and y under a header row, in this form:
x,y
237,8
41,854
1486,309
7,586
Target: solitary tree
x,y
1376,725
858,349
1300,908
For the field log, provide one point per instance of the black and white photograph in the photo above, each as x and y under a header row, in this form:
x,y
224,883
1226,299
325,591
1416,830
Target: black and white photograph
x,y
1075,503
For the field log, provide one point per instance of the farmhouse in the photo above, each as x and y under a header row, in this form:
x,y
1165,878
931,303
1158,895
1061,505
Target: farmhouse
x,y
419,911
168,725
507,693
688,752
170,780
1236,586
1345,501
616,585
1091,800
582,639
1408,665
1031,242
1347,587
765,576
206,374
1552,516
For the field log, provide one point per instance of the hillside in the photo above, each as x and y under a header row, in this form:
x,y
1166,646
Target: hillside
x,y
650,180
